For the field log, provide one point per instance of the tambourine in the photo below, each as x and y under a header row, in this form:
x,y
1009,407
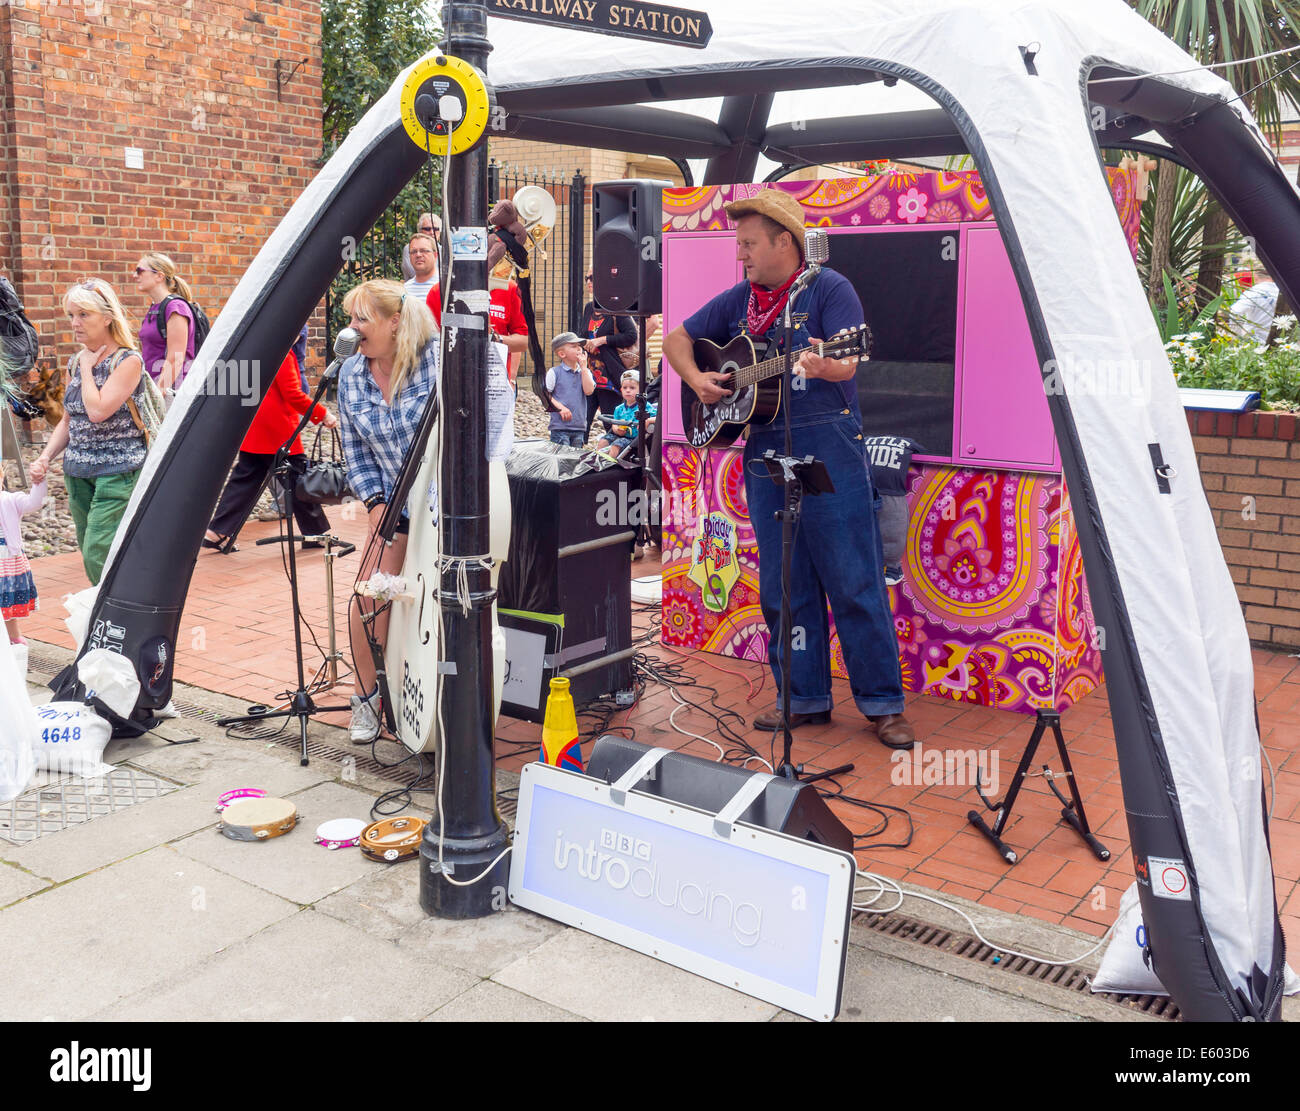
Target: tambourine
x,y
258,819
239,793
392,839
340,833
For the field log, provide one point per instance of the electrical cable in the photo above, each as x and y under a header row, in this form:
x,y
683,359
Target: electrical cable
x,y
883,884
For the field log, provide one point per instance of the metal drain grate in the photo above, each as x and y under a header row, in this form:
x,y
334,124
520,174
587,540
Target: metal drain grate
x,y
66,801
971,948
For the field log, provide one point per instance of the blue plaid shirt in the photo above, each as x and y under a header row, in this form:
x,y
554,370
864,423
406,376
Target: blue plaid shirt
x,y
377,436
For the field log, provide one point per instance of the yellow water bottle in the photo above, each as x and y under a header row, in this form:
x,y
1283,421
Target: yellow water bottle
x,y
560,729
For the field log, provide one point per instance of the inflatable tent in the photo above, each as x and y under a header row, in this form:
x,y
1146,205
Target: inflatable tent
x,y
1028,88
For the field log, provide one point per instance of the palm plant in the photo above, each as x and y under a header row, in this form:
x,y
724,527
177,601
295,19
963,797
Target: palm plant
x,y
1215,32
1191,239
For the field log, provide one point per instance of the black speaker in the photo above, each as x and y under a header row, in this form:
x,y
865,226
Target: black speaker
x,y
627,223
786,805
566,585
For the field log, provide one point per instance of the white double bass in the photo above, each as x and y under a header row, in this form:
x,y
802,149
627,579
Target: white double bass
x,y
413,650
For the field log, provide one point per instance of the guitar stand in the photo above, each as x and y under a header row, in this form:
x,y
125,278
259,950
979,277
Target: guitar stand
x,y
1071,812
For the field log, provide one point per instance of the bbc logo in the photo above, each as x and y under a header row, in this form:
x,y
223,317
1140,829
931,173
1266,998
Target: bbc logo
x,y
624,845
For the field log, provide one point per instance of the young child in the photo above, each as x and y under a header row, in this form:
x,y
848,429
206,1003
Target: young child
x,y
17,588
621,435
570,384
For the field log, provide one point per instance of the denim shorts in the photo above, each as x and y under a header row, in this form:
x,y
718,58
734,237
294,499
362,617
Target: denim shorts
x,y
568,439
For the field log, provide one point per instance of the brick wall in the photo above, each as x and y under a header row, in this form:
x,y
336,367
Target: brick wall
x,y
193,85
1250,467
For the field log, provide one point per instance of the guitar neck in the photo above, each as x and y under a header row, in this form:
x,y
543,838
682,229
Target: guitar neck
x,y
769,368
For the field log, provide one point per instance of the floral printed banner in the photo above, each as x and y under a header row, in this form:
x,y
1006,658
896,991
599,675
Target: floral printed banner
x,y
899,196
992,609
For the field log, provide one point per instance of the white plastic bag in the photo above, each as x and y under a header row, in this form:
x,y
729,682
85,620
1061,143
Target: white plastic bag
x,y
69,739
78,606
1123,969
1124,972
17,724
109,676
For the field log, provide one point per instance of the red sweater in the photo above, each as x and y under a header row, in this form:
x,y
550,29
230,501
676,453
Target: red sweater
x,y
505,310
280,411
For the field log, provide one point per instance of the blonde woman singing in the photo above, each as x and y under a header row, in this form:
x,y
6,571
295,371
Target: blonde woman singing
x,y
382,393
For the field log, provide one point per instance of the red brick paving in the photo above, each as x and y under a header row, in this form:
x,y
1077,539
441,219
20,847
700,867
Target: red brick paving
x,y
236,638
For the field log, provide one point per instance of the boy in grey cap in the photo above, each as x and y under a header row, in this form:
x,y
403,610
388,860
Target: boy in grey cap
x,y
570,384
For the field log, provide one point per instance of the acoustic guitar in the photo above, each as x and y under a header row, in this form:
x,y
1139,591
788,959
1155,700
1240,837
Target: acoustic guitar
x,y
755,384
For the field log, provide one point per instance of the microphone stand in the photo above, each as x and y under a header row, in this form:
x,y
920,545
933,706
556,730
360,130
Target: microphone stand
x,y
301,705
797,477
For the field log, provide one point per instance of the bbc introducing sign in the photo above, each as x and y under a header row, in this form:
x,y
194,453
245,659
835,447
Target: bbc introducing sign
x,y
756,910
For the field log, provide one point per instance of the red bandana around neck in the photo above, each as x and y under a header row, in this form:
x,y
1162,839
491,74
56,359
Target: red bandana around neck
x,y
766,304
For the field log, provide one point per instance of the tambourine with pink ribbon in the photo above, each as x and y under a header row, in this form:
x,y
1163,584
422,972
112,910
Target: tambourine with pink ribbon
x,y
239,793
340,833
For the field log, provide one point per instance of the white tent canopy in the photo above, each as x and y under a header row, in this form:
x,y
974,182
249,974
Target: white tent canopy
x,y
1016,83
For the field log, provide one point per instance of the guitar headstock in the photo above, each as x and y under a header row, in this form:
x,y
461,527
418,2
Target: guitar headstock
x,y
849,343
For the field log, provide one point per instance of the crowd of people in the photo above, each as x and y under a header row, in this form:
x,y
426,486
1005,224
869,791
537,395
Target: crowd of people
x,y
103,440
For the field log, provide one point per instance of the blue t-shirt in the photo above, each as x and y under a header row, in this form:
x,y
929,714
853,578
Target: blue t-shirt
x,y
824,308
629,412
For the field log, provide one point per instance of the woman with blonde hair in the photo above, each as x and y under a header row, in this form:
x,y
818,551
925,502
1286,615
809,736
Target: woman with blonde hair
x,y
383,390
104,446
166,340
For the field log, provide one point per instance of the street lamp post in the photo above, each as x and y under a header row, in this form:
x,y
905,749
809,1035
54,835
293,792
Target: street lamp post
x,y
467,841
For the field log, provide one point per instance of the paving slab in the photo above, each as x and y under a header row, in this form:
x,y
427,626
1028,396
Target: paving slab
x,y
387,905
881,988
80,947
220,764
293,866
306,968
489,1002
597,979
16,884
482,946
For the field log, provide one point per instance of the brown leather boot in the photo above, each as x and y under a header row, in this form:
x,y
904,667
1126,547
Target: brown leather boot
x,y
894,731
771,719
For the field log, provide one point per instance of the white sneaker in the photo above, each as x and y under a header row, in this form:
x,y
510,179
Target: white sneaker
x,y
364,727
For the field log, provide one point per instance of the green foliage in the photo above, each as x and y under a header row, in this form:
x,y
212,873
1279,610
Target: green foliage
x,y
1215,31
1180,318
1227,363
365,45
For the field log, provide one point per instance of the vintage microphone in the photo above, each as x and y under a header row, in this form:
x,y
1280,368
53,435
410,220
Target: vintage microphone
x,y
301,704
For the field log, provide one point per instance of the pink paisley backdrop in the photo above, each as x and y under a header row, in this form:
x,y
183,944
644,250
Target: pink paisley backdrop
x,y
992,609
898,196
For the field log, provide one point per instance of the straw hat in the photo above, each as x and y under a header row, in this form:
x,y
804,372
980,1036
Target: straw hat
x,y
776,204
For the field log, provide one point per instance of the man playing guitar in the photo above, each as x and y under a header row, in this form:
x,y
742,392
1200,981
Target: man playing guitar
x,y
837,552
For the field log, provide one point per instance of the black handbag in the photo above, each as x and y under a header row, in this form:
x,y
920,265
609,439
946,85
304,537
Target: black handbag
x,y
325,481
